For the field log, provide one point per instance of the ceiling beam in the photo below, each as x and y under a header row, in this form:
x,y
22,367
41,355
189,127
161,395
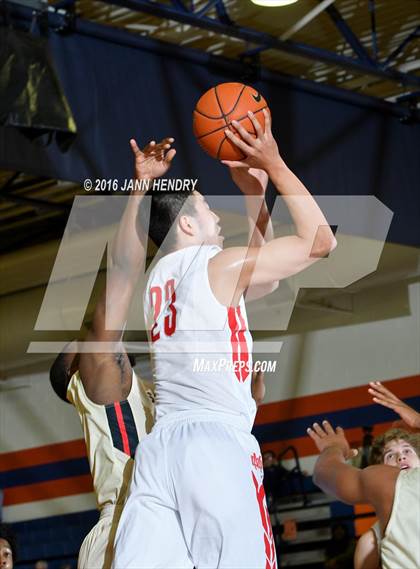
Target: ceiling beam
x,y
268,41
394,54
22,17
348,34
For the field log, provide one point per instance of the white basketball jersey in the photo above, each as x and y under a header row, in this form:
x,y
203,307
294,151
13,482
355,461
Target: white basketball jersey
x,y
112,433
201,350
400,546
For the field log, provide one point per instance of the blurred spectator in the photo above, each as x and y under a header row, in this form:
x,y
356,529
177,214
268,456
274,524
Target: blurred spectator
x,y
271,481
66,566
7,547
279,482
41,564
339,552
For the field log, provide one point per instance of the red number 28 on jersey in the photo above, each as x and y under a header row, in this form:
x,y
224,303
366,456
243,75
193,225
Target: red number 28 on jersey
x,y
169,322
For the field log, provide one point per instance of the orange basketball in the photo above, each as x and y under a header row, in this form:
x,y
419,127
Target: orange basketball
x,y
215,111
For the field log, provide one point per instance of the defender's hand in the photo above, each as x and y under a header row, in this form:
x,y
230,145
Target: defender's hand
x,y
385,397
325,437
261,152
154,160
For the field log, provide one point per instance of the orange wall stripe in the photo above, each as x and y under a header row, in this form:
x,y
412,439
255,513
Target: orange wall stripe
x,y
306,447
42,455
330,401
48,490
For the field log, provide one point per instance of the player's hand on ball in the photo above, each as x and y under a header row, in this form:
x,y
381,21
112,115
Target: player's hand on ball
x,y
325,437
261,152
154,160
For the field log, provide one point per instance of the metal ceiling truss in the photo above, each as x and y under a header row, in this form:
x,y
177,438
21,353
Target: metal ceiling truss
x,y
59,18
364,65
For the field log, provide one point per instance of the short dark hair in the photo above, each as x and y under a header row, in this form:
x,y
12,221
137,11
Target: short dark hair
x,y
379,443
60,376
7,534
165,208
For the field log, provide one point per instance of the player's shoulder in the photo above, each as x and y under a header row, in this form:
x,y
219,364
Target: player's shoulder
x,y
379,481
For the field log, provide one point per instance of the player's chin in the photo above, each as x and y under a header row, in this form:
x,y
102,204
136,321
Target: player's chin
x,y
220,240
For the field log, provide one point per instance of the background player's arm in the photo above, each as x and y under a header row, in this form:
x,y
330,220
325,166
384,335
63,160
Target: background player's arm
x,y
258,386
284,256
366,555
385,397
107,376
374,485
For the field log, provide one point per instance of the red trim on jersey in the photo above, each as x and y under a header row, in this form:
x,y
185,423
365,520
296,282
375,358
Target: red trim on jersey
x,y
270,549
242,343
123,430
238,342
233,337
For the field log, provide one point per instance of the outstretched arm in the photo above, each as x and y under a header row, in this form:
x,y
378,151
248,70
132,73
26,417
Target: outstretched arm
x,y
331,473
284,256
385,397
107,375
374,485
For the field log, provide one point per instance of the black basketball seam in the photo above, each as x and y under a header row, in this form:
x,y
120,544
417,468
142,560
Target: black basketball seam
x,y
223,127
220,148
237,100
220,106
207,116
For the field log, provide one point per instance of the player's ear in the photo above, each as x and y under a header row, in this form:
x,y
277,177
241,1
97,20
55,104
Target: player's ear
x,y
186,224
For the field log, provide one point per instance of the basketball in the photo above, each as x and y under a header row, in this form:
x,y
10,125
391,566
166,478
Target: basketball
x,y
215,111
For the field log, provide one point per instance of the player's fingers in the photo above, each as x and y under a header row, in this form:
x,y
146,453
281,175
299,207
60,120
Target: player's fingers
x,y
238,142
319,430
377,385
150,148
312,434
170,155
243,132
385,403
167,140
328,428
257,126
383,397
134,147
267,121
234,164
339,431
165,143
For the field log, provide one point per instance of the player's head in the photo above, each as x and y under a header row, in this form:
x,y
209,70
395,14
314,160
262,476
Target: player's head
x,y
179,219
65,364
397,447
7,547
